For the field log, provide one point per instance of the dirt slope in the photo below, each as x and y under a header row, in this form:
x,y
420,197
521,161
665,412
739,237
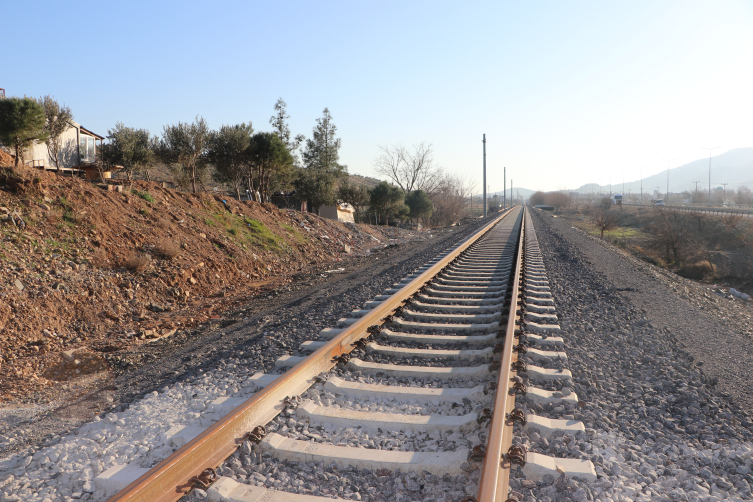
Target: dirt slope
x,y
86,271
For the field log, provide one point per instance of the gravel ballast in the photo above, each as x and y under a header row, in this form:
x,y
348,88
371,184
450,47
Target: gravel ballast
x,y
659,426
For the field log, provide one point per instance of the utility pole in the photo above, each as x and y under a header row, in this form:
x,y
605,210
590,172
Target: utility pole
x,y
511,197
725,192
668,161
484,175
504,188
709,149
641,184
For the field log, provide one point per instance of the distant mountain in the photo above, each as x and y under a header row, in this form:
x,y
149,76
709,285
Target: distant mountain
x,y
518,192
734,167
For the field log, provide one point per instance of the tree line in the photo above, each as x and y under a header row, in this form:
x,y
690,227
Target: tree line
x,y
257,163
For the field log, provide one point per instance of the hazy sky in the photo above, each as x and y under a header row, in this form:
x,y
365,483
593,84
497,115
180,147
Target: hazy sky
x,y
567,92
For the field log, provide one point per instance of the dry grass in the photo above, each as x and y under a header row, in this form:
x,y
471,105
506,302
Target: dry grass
x,y
167,248
137,262
99,258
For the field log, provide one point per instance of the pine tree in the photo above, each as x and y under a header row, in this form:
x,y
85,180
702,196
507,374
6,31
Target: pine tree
x,y
21,124
280,127
317,181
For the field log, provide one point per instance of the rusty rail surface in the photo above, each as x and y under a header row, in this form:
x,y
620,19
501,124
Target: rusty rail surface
x,y
495,473
172,478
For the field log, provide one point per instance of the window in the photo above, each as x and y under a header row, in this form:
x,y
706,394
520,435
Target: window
x,y
86,147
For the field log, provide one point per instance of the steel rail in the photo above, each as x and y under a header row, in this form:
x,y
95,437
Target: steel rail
x,y
495,473
169,480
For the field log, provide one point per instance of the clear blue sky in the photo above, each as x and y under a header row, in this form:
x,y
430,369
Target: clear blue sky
x,y
567,92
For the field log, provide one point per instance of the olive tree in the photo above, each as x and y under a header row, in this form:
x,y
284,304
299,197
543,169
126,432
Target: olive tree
x,y
228,152
183,147
269,158
128,147
355,195
57,120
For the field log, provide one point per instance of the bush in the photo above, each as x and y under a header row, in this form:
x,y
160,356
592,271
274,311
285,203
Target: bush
x,y
167,249
144,195
137,262
99,258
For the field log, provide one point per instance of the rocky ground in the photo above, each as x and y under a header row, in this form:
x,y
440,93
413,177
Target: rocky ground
x,y
258,329
662,373
87,275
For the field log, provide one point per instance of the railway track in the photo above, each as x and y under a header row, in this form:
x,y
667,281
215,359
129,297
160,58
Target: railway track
x,y
420,395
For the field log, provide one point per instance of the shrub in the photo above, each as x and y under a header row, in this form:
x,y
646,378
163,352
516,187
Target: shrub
x,y
137,262
99,258
167,249
144,195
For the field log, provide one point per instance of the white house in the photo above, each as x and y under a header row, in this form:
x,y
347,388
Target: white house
x,y
77,148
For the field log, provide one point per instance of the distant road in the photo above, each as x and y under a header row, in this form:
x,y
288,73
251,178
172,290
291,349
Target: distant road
x,y
718,211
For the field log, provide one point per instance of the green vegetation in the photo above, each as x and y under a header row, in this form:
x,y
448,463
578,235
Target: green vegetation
x,y
128,147
144,195
257,234
69,217
57,121
317,181
143,212
299,237
22,122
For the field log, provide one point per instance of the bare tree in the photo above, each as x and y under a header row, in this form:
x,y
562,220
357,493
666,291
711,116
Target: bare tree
x,y
410,169
605,219
450,199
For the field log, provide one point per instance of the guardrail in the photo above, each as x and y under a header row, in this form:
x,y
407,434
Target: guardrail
x,y
698,209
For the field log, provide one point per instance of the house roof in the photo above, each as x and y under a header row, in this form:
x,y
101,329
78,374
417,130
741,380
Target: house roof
x,y
88,132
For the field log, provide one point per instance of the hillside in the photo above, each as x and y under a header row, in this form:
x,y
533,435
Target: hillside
x,y
94,271
525,193
734,167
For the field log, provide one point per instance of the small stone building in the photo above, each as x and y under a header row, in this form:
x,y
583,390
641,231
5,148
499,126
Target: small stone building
x,y
339,212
